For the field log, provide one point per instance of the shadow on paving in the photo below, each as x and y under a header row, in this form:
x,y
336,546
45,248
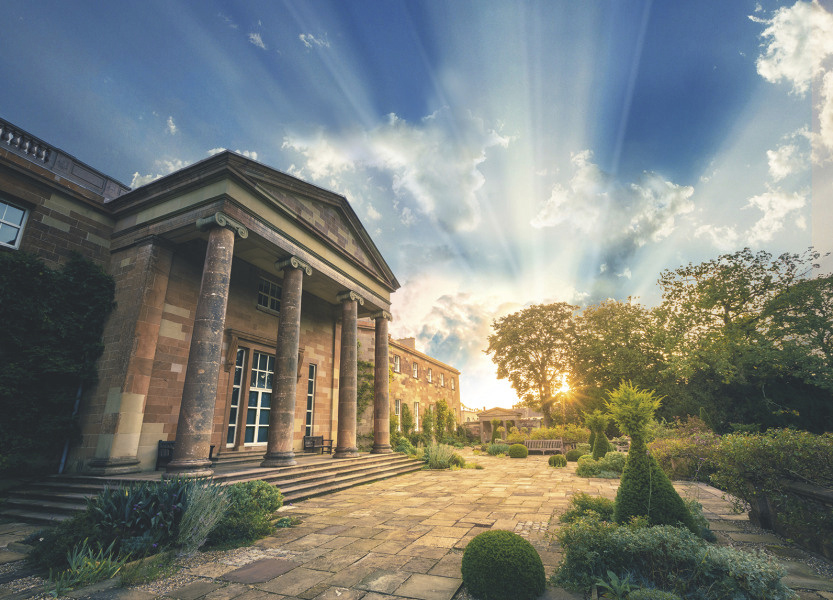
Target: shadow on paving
x,y
404,538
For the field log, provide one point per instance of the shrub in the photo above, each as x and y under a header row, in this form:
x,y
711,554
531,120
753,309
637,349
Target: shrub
x,y
501,565
602,446
206,503
669,558
686,451
516,438
495,449
585,448
252,505
86,566
518,451
457,461
652,594
557,460
484,447
573,455
587,467
581,505
438,456
571,433
405,446
51,546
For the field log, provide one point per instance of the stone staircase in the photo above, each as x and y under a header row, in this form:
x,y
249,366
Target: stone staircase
x,y
57,497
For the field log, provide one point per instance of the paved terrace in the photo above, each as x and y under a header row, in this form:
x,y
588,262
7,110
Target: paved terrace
x,y
404,538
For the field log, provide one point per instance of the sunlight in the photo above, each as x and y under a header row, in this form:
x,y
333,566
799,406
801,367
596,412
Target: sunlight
x,y
565,385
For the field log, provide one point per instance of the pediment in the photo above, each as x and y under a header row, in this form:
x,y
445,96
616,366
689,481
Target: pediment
x,y
499,413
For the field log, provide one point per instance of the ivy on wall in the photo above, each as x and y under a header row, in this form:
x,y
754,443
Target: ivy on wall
x,y
50,340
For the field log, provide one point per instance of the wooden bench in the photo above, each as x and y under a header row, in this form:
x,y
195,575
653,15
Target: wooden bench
x,y
313,443
165,452
545,446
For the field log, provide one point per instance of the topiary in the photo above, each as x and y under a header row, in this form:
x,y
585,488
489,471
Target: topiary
x,y
573,455
518,451
501,565
602,446
557,460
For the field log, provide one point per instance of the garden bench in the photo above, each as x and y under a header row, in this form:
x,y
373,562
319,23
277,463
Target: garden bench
x,y
315,442
165,452
545,446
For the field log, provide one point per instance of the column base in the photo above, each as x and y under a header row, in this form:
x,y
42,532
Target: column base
x,y
279,459
381,449
346,453
113,466
188,468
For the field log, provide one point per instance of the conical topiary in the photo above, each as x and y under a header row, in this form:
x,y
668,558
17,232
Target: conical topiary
x,y
644,489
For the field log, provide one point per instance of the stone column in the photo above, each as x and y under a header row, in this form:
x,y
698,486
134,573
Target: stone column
x,y
381,407
279,452
199,393
348,376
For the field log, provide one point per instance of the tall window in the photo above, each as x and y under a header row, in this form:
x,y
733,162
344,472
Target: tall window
x,y
260,399
415,368
442,379
12,220
430,376
310,398
416,416
269,295
452,383
397,364
239,367
397,406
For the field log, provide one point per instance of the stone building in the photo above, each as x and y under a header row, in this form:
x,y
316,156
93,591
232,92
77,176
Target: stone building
x,y
417,380
238,290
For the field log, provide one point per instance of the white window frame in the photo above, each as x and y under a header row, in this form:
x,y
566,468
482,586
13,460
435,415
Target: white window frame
x,y
310,412
5,223
397,364
260,420
452,383
415,370
266,298
430,375
442,379
236,403
416,416
396,407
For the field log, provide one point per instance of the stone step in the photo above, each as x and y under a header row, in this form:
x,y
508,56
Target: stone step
x,y
56,498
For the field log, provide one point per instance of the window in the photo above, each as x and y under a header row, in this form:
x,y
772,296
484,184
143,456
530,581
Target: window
x,y
310,398
269,295
430,375
12,220
416,416
396,408
397,364
260,399
416,370
442,379
239,367
452,383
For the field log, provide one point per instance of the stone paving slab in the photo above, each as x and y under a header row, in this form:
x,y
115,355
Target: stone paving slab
x,y
261,570
429,587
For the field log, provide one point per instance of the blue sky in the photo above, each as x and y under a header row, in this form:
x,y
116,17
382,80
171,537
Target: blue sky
x,y
500,153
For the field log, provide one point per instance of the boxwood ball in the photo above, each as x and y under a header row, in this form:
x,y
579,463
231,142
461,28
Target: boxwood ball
x,y
501,565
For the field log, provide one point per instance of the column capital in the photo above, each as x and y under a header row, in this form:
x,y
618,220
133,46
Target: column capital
x,y
221,219
345,296
382,314
294,263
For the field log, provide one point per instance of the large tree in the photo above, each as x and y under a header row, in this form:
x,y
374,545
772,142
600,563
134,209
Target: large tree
x,y
531,349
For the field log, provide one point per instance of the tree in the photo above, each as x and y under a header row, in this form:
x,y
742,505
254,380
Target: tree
x,y
429,421
406,419
531,349
450,423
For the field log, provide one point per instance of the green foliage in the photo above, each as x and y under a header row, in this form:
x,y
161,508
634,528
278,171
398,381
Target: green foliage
x,y
632,408
50,547
518,451
495,449
441,412
582,505
450,422
405,446
395,434
438,456
457,461
140,517
531,349
495,424
584,448
252,505
571,433
688,450
501,565
206,502
610,466
573,455
601,446
557,460
365,377
146,570
406,419
613,587
646,491
668,558
429,423
50,341
652,594
86,566
750,467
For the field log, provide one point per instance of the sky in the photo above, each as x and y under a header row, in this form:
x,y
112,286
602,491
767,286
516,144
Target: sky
x,y
500,153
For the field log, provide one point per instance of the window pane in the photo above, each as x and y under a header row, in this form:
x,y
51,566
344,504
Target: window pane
x,y
230,436
264,417
8,234
251,416
262,435
266,400
232,416
250,435
252,398
13,215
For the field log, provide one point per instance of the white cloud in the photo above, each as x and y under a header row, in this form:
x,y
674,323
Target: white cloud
x,y
310,40
824,138
255,39
776,205
785,161
214,151
723,238
171,126
594,202
246,153
228,21
799,39
372,213
432,167
162,167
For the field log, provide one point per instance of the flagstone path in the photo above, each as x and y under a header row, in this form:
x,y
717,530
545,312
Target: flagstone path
x,y
404,538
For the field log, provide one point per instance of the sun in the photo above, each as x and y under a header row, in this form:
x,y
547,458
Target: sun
x,y
565,385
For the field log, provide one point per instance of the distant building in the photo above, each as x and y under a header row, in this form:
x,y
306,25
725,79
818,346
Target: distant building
x,y
418,379
238,292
